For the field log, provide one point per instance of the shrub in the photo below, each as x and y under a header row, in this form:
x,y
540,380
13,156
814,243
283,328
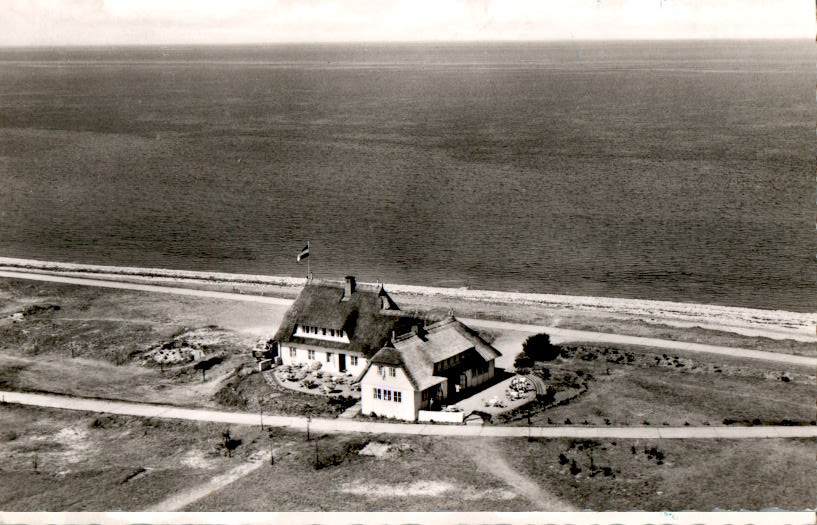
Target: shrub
x,y
539,348
522,363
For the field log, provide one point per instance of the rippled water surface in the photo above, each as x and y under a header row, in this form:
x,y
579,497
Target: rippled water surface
x,y
677,171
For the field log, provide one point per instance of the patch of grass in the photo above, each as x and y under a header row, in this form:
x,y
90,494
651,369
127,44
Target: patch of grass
x,y
702,475
427,461
104,462
648,388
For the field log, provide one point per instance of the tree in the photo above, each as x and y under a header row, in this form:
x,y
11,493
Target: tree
x,y
539,348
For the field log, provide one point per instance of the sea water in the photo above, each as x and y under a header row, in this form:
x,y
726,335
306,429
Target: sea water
x,y
679,171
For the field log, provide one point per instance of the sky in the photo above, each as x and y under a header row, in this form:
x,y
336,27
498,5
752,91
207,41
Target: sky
x,y
148,22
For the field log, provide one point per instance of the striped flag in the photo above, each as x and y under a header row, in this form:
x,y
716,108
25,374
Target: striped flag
x,y
304,253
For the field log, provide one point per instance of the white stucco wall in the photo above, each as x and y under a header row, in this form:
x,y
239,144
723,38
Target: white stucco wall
x,y
302,357
405,410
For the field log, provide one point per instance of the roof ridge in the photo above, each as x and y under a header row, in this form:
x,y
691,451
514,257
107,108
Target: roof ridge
x,y
441,323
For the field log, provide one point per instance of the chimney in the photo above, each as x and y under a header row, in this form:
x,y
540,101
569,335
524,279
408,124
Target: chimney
x,y
350,287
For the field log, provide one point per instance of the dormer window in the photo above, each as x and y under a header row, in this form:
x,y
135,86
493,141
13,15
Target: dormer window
x,y
326,334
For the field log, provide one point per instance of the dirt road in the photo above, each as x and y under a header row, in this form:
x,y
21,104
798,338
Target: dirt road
x,y
559,334
179,501
342,426
146,287
489,458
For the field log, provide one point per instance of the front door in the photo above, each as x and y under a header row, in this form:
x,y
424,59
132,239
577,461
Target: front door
x,y
341,362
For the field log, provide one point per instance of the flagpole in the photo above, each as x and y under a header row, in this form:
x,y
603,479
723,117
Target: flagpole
x,y
307,260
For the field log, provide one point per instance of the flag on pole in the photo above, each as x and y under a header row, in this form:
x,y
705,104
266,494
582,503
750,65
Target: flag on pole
x,y
304,253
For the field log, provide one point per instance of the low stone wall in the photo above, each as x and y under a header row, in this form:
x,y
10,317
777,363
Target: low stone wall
x,y
439,417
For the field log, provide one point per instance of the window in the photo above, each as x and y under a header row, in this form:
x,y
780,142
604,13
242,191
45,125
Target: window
x,y
339,333
310,354
387,394
324,331
328,357
332,332
378,393
293,352
379,369
398,397
374,393
353,360
392,371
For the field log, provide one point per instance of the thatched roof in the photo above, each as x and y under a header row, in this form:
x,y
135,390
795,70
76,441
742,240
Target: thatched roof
x,y
445,339
419,371
368,316
417,353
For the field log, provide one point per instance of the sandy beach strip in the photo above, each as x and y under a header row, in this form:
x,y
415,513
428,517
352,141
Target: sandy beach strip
x,y
775,324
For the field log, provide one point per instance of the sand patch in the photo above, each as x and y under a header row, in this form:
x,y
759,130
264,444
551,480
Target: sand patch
x,y
195,459
69,445
383,450
76,442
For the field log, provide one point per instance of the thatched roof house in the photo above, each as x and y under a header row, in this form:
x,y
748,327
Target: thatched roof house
x,y
431,354
420,369
331,320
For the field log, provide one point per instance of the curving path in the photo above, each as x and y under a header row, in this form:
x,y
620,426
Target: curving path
x,y
102,283
332,426
558,334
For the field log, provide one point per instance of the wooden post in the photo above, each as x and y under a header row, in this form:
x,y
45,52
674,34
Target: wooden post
x,y
203,377
307,427
271,451
261,414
